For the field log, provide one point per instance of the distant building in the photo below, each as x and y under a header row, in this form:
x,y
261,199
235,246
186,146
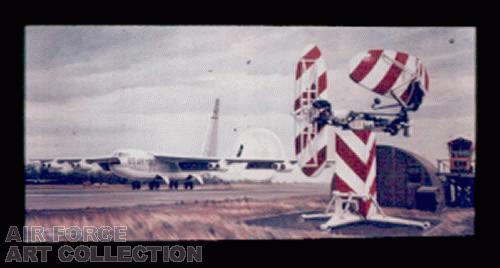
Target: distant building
x,y
459,173
405,179
461,151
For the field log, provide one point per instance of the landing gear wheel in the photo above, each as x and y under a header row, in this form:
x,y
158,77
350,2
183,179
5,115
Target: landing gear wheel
x,y
136,185
154,185
173,185
188,185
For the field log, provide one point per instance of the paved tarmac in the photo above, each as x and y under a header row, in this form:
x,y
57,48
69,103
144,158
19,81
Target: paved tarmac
x,y
76,197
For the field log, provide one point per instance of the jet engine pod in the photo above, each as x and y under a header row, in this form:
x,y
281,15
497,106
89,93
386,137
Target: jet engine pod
x,y
278,166
392,74
281,167
214,166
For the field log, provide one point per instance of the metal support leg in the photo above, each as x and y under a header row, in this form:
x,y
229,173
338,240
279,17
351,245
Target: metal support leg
x,y
343,215
325,215
399,221
381,217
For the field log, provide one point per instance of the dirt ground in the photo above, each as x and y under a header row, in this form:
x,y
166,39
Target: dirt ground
x,y
244,219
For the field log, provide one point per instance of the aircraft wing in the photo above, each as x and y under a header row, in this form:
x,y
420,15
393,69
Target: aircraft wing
x,y
261,163
187,163
267,163
253,160
59,160
171,158
105,159
103,162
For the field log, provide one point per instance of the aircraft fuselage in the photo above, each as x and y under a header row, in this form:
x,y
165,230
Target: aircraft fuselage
x,y
143,166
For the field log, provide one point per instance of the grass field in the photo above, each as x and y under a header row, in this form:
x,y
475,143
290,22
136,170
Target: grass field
x,y
244,219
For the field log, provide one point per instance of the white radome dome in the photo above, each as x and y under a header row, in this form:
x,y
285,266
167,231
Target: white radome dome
x,y
259,143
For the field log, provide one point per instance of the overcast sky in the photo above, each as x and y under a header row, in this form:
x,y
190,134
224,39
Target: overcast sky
x,y
91,90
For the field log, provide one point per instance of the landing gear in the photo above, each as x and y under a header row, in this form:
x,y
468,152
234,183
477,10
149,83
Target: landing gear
x,y
154,185
188,185
136,185
173,185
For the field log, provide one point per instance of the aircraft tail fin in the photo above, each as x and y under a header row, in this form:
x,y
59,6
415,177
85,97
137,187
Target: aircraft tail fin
x,y
210,145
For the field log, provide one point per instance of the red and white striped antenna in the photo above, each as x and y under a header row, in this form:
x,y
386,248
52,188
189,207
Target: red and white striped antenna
x,y
354,185
311,83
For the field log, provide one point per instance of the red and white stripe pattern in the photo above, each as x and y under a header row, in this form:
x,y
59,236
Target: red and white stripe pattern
x,y
310,84
383,71
355,166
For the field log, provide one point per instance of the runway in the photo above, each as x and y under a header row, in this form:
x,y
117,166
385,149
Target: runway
x,y
77,197
218,212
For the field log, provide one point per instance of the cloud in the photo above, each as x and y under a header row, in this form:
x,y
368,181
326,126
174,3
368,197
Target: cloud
x,y
429,136
91,90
